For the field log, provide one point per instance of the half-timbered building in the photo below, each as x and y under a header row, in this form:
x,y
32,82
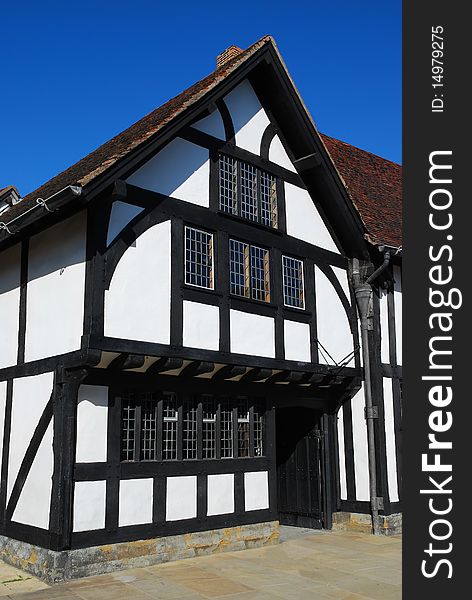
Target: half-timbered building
x,y
201,335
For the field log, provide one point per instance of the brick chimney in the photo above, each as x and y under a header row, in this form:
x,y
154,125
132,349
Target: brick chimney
x,y
9,196
227,55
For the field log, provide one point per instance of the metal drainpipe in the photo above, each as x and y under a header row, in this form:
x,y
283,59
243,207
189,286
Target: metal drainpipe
x,y
364,298
382,267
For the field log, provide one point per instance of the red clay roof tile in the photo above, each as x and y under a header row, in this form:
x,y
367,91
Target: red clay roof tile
x,y
374,185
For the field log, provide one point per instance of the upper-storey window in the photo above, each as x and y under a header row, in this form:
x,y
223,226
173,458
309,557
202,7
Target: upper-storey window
x,y
199,258
293,282
247,191
249,271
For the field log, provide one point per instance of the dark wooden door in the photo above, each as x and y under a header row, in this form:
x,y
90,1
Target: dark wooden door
x,y
298,467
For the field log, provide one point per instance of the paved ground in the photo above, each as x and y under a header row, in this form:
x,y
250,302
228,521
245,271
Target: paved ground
x,y
305,565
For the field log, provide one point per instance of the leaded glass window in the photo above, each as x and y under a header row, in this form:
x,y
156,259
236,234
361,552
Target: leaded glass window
x,y
268,200
249,208
226,424
258,420
243,427
249,271
260,285
148,429
293,282
169,429
247,191
172,426
128,421
228,184
190,429
209,427
199,258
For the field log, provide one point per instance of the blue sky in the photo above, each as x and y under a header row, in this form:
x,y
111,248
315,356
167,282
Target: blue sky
x,y
77,73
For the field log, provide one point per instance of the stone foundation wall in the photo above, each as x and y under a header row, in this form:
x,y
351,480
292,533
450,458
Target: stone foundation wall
x,y
345,521
54,566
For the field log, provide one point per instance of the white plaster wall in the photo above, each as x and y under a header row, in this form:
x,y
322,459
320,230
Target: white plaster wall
x,y
121,214
384,334
92,417
278,155
56,288
256,490
89,505
252,334
361,458
30,396
220,494
304,222
3,401
181,498
249,118
201,325
341,276
137,304
390,440
9,304
34,503
333,327
212,124
297,341
135,504
342,456
180,170
397,296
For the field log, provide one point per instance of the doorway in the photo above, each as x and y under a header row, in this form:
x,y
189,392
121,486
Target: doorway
x,y
299,454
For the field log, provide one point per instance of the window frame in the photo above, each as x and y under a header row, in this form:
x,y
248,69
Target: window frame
x,y
302,262
223,446
236,209
212,257
248,272
175,437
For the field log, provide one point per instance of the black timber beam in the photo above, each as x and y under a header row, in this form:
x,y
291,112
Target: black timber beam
x,y
120,189
307,162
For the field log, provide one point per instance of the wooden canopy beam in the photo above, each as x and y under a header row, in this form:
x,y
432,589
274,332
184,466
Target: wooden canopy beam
x,y
126,361
228,372
165,364
256,374
197,368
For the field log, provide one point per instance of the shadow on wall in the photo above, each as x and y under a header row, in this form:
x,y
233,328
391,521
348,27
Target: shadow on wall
x,y
243,104
51,251
58,248
180,169
10,270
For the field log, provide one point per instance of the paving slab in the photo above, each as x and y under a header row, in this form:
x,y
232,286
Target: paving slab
x,y
307,564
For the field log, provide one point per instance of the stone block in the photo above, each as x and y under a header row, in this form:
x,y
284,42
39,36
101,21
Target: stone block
x,y
54,566
362,523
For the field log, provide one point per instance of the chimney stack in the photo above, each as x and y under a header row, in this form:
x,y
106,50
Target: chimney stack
x,y
9,196
227,55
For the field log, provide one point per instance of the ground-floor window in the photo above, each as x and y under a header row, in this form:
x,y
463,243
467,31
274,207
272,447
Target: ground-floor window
x,y
177,426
